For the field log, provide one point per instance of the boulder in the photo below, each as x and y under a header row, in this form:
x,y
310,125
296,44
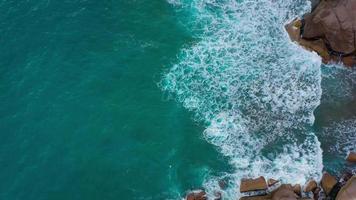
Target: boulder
x,y
248,185
265,197
310,186
335,22
328,182
329,30
348,192
297,189
284,192
351,157
196,195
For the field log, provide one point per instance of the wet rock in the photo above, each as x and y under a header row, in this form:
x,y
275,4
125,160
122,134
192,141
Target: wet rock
x,y
351,157
348,192
265,197
297,189
329,30
334,22
284,192
342,181
248,185
317,193
328,182
196,195
310,186
271,182
318,45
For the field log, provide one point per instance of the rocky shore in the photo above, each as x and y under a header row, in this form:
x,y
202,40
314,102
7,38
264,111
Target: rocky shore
x,y
328,188
329,30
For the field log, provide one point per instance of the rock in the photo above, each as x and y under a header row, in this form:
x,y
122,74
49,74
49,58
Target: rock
x,y
284,192
197,195
271,182
328,182
297,189
346,175
310,186
248,185
334,22
316,193
348,192
266,197
314,3
317,46
328,30
351,157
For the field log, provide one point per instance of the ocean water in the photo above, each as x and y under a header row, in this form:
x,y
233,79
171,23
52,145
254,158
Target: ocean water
x,y
149,99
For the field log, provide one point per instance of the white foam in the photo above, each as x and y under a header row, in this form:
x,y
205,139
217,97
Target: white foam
x,y
254,89
338,83
343,135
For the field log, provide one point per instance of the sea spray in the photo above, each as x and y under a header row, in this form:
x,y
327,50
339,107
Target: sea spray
x,y
254,89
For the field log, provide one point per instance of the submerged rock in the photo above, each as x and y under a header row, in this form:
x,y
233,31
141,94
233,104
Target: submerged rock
x,y
248,185
329,30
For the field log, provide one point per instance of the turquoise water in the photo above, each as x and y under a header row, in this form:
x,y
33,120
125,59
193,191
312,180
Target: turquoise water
x,y
148,99
82,116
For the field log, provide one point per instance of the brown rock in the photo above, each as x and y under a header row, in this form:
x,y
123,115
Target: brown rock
x,y
318,45
253,184
349,60
196,195
271,182
316,193
297,189
310,186
328,182
351,157
329,30
284,192
266,197
334,22
348,192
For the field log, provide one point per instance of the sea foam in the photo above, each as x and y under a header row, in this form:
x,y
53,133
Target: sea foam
x,y
253,89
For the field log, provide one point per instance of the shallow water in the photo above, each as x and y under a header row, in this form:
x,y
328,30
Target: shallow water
x,y
148,99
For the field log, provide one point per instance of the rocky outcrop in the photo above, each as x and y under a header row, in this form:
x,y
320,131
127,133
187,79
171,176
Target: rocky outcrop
x,y
329,30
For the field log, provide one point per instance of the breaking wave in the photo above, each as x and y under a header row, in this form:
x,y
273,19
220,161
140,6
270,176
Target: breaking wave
x,y
253,89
